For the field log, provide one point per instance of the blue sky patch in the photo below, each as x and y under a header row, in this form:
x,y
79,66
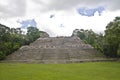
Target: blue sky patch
x,y
84,11
27,23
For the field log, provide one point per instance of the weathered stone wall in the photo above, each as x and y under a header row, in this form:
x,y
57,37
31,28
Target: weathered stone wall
x,y
55,50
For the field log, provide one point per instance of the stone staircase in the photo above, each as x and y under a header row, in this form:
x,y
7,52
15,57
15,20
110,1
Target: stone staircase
x,y
56,50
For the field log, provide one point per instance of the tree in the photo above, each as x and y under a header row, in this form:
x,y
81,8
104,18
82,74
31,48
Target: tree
x,y
112,38
99,41
10,40
86,35
32,33
90,37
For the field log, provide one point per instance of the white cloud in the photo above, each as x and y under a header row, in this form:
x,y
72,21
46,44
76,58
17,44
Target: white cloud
x,y
64,11
49,5
12,8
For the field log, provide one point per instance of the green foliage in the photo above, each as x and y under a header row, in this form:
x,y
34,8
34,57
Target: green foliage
x,y
2,55
12,39
87,35
8,48
109,44
118,51
90,37
81,34
112,38
32,34
82,71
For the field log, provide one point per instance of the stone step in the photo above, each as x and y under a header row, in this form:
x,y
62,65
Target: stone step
x,y
55,50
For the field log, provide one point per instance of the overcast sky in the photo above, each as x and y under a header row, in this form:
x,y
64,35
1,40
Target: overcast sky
x,y
59,17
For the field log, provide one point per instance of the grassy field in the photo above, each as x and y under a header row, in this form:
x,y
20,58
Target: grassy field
x,y
81,71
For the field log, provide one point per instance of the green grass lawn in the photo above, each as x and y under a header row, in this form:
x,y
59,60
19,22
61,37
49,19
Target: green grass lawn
x,y
81,71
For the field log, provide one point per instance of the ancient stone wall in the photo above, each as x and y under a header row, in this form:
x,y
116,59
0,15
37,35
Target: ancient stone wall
x,y
55,50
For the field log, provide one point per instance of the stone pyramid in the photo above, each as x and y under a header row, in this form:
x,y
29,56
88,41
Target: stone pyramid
x,y
56,50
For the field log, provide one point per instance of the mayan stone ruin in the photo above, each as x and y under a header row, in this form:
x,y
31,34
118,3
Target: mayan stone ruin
x,y
56,50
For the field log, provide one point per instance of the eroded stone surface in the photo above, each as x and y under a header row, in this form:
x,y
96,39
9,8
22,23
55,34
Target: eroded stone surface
x,y
55,50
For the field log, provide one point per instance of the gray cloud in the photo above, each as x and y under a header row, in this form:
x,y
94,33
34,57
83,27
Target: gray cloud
x,y
12,8
114,5
68,4
16,8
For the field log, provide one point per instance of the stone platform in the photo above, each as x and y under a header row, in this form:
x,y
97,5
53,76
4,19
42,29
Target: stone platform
x,y
56,50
